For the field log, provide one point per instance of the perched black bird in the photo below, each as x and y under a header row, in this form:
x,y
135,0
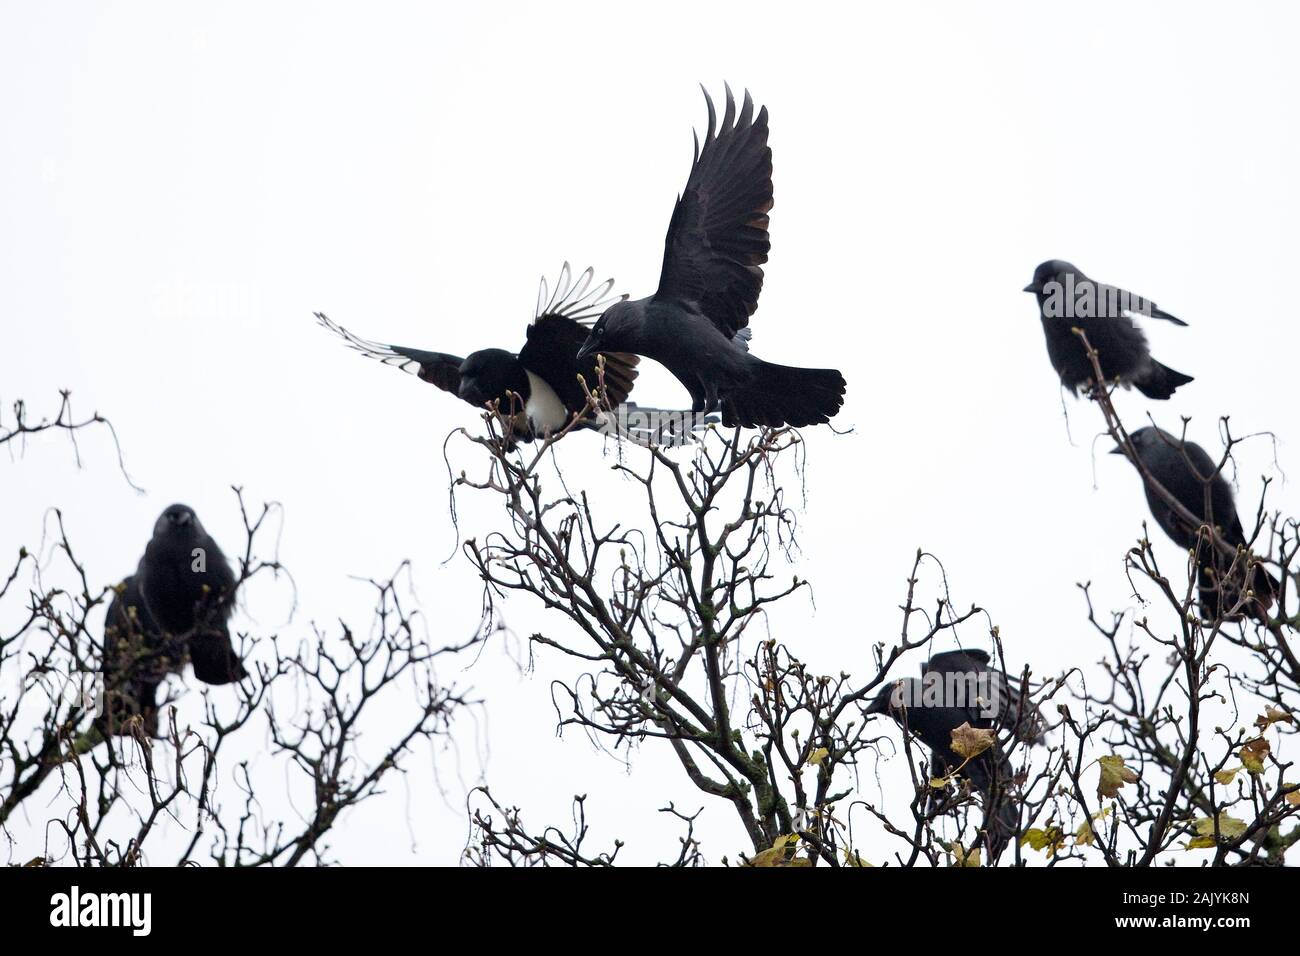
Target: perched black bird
x,y
543,376
174,608
1068,299
696,323
1194,480
958,687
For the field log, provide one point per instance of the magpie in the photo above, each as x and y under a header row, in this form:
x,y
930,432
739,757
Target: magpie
x,y
1068,299
174,609
1189,474
538,390
697,322
958,687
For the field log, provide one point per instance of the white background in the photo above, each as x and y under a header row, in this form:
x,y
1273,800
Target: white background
x,y
181,187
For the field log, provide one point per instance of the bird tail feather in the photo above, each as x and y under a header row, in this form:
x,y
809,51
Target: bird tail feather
x,y
780,395
1161,381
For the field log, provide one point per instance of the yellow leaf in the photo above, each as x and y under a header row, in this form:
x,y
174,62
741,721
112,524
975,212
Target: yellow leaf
x,y
1253,753
1230,828
968,741
852,859
939,783
1225,777
1050,839
1113,776
963,857
781,853
1293,798
1084,835
818,755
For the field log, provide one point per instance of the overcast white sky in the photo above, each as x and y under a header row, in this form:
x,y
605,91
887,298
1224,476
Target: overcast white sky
x,y
182,186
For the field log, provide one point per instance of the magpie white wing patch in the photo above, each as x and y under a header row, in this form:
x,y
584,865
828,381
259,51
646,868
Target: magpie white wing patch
x,y
578,299
375,350
546,413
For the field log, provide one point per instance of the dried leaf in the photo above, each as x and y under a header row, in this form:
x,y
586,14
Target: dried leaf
x,y
1273,716
968,741
1113,776
852,859
1253,753
818,755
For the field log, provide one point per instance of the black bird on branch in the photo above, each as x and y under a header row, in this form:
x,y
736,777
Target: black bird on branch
x,y
696,323
1189,474
174,608
1068,299
956,688
538,390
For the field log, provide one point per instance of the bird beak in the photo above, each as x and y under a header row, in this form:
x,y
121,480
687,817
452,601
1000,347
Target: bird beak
x,y
1030,288
587,348
1117,450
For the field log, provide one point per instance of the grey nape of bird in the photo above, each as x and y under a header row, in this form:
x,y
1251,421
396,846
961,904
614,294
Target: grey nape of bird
x,y
175,608
1186,471
1068,299
696,323
543,374
958,687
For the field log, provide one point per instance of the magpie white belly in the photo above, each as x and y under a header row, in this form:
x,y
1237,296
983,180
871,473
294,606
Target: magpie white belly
x,y
545,411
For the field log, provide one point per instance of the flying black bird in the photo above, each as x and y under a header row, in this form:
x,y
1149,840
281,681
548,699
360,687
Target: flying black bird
x,y
174,608
696,323
1068,299
1194,480
543,375
958,687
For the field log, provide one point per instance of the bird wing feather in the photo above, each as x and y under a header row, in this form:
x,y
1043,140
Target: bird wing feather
x,y
1115,294
717,238
437,368
579,300
551,353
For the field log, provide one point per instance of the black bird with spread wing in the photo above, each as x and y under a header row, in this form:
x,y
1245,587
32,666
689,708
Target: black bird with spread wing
x,y
959,687
174,608
1068,299
543,375
697,322
1194,480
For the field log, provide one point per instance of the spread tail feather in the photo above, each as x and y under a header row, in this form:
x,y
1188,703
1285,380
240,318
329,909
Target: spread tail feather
x,y
780,395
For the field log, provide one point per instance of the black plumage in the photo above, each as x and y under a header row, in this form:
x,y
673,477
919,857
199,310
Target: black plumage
x,y
175,608
696,323
1193,478
537,389
1068,299
955,688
